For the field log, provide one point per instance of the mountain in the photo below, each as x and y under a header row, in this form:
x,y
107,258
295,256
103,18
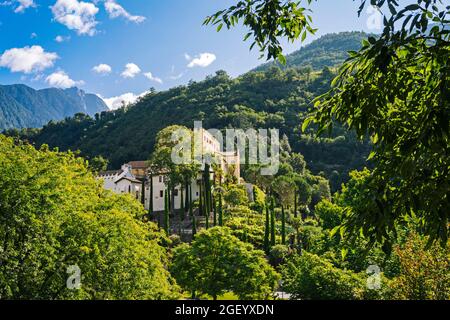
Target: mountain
x,y
25,107
267,98
327,51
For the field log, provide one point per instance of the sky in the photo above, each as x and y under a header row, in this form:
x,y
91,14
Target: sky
x,y
119,49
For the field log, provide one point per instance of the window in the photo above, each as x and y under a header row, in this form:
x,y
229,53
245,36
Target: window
x,y
160,178
175,192
129,189
196,193
161,193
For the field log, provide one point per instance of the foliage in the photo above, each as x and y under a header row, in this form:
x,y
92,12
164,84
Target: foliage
x,y
217,262
236,195
396,89
311,277
329,214
54,214
424,272
278,254
267,21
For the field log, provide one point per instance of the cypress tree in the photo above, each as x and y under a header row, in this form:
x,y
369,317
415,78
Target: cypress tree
x,y
181,209
214,211
191,211
150,205
283,226
267,230
166,211
143,192
207,193
186,200
295,204
220,209
272,224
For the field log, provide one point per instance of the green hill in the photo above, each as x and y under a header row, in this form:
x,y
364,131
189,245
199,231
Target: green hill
x,y
270,98
327,51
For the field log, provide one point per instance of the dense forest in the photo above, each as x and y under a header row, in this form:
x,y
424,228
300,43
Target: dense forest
x,y
270,98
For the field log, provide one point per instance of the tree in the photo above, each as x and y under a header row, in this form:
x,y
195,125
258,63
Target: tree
x,y
55,215
267,230
310,277
217,262
424,272
236,195
98,164
396,90
166,211
267,23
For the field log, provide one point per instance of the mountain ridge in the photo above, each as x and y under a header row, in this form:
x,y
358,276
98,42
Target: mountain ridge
x,y
24,107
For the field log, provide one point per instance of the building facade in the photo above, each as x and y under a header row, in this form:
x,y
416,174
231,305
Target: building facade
x,y
133,178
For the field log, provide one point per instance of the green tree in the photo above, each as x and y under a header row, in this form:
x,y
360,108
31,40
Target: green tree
x,y
310,277
395,89
217,262
54,214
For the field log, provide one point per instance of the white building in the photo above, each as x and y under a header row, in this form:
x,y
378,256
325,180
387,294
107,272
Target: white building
x,y
121,181
129,178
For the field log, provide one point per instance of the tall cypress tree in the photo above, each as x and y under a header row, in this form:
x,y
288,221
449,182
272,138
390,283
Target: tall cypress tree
x,y
207,193
295,203
166,211
283,225
150,204
187,200
267,230
214,211
272,224
191,210
143,191
182,213
220,209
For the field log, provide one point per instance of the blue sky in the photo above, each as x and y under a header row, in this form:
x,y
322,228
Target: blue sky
x,y
59,42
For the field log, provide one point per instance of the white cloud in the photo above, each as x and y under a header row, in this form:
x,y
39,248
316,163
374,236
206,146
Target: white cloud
x,y
124,99
27,59
151,77
60,79
62,39
33,35
102,68
20,5
115,10
131,70
187,57
76,15
24,4
203,60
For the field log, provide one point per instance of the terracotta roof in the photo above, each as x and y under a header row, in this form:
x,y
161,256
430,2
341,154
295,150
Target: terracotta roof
x,y
138,164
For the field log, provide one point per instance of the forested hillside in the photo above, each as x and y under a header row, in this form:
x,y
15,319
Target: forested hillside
x,y
271,98
25,107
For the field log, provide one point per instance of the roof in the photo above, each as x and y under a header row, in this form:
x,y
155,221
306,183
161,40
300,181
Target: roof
x,y
129,179
110,172
138,164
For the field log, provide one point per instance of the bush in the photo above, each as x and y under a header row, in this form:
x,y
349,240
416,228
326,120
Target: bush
x,y
278,254
310,277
